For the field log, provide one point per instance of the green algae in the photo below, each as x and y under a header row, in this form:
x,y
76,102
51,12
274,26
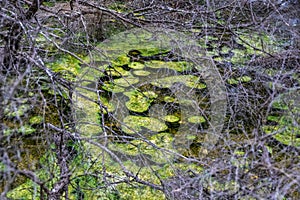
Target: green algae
x,y
141,73
162,140
287,135
171,118
196,119
131,149
273,118
118,71
112,87
177,66
121,60
26,130
126,81
67,66
286,129
36,120
232,81
17,112
118,85
136,65
243,79
134,124
152,51
169,99
109,107
189,80
139,101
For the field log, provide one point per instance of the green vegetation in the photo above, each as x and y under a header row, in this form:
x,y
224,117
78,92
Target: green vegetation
x,y
136,65
286,129
67,66
177,66
139,101
196,119
171,118
133,124
243,79
189,80
136,115
141,73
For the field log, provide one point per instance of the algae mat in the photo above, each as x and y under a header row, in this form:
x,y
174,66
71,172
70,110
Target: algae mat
x,y
113,53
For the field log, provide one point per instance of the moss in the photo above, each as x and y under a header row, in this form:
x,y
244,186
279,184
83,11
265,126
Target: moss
x,y
135,123
193,82
7,132
128,191
259,41
119,6
119,85
270,149
128,40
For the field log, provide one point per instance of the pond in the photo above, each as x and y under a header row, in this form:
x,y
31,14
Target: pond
x,y
157,107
